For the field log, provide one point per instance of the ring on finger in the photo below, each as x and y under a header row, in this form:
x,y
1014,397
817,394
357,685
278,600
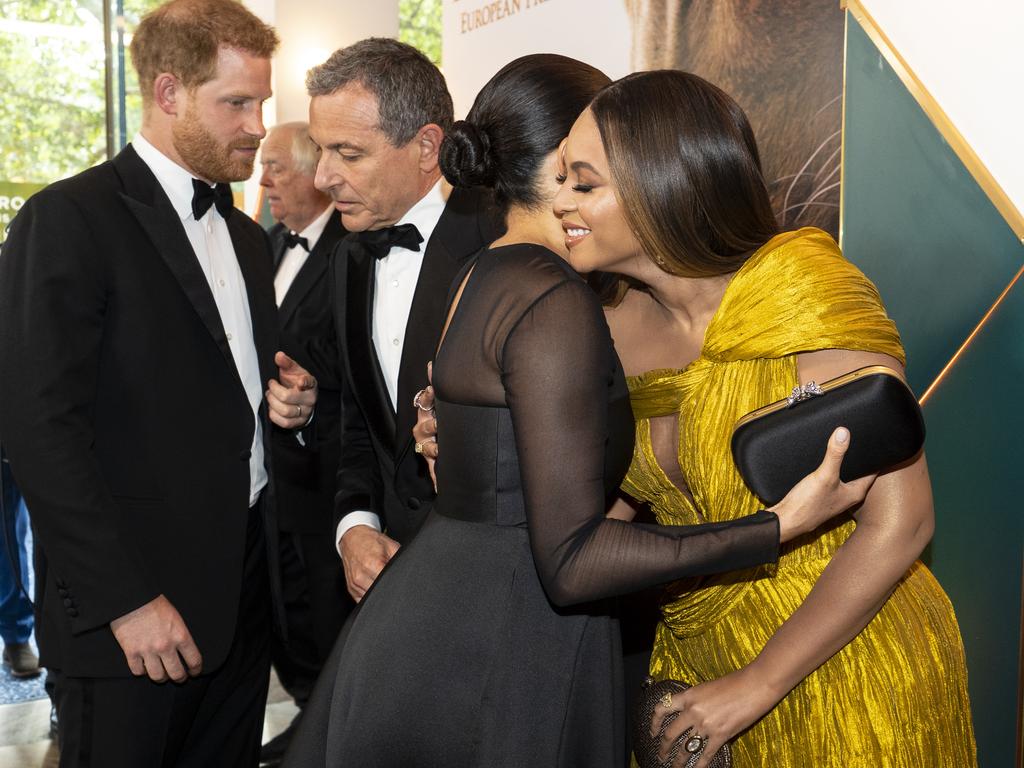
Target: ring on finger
x,y
416,401
666,701
418,447
298,411
694,744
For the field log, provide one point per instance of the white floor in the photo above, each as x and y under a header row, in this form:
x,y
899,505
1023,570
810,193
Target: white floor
x,y
24,729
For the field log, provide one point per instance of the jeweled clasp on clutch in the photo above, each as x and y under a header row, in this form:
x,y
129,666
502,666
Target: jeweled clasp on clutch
x,y
804,392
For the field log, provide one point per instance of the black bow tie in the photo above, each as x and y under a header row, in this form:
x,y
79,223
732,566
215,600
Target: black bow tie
x,y
379,242
291,239
203,196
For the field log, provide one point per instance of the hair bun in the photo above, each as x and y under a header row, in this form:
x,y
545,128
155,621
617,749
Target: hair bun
x,y
465,158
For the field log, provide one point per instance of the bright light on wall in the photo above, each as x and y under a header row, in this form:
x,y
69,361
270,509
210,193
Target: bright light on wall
x,y
306,59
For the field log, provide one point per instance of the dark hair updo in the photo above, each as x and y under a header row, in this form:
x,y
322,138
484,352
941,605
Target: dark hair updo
x,y
516,121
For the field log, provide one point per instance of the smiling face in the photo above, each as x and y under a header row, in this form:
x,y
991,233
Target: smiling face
x,y
597,235
219,124
372,182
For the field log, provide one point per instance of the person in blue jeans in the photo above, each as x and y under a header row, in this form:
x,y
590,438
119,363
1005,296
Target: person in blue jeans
x,y
15,607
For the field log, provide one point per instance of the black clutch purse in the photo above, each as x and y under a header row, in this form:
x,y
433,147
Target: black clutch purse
x,y
645,746
776,446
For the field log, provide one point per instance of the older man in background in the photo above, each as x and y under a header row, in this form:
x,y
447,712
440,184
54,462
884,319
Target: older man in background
x,y
313,582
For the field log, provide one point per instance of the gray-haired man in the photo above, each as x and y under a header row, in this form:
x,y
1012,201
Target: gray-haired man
x,y
379,112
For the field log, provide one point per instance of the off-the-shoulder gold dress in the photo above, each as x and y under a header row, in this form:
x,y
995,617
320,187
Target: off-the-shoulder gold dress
x,y
897,694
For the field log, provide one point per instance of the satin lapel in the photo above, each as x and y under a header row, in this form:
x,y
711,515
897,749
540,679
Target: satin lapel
x,y
368,378
251,250
150,206
307,277
312,271
467,225
276,234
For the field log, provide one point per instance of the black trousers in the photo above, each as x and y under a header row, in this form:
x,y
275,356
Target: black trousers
x,y
316,604
215,719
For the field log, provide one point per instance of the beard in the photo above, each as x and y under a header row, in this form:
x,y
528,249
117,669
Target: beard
x,y
209,158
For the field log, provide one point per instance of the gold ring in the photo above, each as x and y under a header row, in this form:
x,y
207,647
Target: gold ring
x,y
666,701
298,411
418,448
694,745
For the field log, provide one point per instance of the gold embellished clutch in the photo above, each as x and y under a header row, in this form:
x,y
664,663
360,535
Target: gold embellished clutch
x,y
779,444
688,745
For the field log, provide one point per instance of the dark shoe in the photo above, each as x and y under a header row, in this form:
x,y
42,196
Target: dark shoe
x,y
272,753
21,660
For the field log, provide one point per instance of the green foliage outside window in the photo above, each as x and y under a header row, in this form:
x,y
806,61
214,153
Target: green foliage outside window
x,y
52,80
419,25
53,109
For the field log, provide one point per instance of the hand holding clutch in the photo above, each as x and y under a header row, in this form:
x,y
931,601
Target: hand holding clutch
x,y
776,445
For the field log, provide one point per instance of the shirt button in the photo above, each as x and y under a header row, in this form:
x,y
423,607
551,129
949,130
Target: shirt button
x,y
229,337
395,342
394,283
221,283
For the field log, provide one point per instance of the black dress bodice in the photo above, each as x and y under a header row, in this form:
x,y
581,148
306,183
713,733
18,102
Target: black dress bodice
x,y
485,642
536,429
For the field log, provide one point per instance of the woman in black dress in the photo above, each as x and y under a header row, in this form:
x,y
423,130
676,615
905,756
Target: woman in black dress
x,y
484,642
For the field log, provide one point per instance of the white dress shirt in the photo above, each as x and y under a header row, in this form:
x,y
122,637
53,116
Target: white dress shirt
x,y
211,244
395,278
295,257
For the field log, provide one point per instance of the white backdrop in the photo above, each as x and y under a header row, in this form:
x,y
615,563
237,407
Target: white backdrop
x,y
480,37
968,55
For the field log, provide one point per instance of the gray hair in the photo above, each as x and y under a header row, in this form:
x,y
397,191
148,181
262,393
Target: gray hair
x,y
410,90
304,157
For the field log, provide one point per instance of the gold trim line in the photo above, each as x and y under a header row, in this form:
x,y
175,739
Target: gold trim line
x,y
939,119
969,339
828,386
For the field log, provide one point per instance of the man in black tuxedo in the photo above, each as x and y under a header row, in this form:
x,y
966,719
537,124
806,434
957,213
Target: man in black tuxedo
x,y
313,582
379,112
124,291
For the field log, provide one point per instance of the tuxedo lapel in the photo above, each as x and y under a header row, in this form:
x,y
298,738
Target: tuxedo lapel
x,y
149,205
366,371
312,271
251,252
307,277
426,319
276,235
467,225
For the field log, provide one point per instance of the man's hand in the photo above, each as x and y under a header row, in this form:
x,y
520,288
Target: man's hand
x,y
156,641
292,395
364,553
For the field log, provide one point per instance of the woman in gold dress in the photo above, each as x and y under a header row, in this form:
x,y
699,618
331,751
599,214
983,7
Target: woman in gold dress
x,y
847,652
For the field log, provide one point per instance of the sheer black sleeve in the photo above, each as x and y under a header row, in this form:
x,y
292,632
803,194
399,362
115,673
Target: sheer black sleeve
x,y
558,367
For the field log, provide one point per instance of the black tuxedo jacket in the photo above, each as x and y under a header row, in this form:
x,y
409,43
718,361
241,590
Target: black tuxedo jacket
x,y
123,413
305,475
378,470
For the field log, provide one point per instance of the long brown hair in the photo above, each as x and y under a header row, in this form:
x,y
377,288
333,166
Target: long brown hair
x,y
687,171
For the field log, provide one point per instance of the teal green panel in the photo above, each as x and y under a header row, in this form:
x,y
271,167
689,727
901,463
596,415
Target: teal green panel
x,y
919,225
914,219
975,421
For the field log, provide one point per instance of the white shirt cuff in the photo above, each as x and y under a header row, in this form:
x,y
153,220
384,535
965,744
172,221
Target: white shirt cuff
x,y
351,520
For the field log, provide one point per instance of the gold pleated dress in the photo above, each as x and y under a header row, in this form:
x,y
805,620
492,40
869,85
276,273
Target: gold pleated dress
x,y
896,695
